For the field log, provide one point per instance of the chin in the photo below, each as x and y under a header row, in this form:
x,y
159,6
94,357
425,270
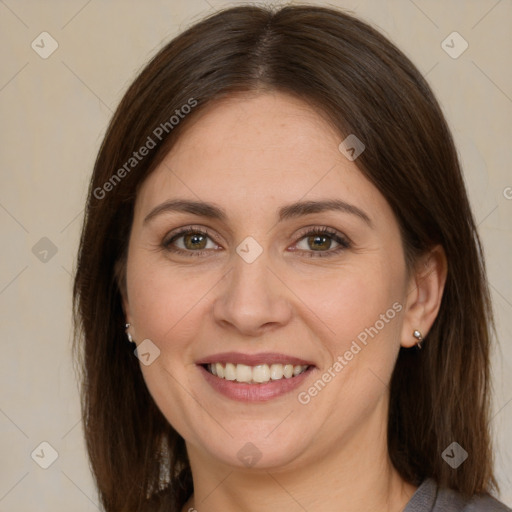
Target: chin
x,y
254,448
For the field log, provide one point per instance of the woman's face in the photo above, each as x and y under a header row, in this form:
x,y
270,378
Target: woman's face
x,y
262,285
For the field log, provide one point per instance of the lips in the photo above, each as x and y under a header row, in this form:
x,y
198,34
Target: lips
x,y
254,377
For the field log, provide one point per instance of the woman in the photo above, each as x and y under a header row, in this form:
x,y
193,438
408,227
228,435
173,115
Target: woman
x,y
277,222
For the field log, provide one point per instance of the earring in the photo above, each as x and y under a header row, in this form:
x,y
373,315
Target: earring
x,y
128,335
418,336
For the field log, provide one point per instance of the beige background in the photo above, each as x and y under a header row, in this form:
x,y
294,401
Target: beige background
x,y
54,113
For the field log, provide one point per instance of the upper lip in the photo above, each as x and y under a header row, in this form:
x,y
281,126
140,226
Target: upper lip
x,y
253,359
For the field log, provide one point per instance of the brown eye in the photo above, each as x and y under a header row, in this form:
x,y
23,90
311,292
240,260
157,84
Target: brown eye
x,y
189,241
319,242
194,241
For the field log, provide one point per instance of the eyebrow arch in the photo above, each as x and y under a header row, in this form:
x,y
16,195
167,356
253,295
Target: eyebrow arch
x,y
290,211
307,207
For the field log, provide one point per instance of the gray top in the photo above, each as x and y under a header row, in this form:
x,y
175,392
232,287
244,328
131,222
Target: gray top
x,y
430,498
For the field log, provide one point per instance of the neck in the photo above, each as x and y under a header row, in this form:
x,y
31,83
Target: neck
x,y
353,475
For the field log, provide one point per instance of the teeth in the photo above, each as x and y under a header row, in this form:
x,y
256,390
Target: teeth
x,y
288,370
261,373
230,371
255,374
276,371
243,373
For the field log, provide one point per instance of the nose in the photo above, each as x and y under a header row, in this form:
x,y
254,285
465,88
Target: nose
x,y
252,300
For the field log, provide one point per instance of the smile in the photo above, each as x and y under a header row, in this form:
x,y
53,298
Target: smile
x,y
259,374
254,377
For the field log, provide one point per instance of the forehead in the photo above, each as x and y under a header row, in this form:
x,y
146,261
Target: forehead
x,y
252,153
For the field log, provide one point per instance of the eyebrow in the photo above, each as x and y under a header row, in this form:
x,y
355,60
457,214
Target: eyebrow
x,y
290,211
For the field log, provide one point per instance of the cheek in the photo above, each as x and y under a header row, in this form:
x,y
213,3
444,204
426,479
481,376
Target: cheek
x,y
162,299
352,299
166,308
361,308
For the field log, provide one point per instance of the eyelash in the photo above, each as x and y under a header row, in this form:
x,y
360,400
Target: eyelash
x,y
343,241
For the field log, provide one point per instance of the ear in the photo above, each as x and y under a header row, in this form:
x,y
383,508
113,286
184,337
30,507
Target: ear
x,y
424,293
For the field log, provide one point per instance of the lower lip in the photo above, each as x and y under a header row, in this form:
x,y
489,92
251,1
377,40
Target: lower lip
x,y
254,392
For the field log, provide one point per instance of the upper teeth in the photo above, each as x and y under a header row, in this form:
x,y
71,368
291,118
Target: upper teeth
x,y
259,373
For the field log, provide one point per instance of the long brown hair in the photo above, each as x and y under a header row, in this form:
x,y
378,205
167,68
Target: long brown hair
x,y
363,85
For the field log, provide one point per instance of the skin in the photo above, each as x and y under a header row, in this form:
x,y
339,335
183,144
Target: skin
x,y
251,155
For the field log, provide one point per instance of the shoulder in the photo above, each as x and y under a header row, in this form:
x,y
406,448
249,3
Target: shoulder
x,y
431,498
449,500
485,504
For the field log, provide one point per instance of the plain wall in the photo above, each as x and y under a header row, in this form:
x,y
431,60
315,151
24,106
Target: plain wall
x,y
53,115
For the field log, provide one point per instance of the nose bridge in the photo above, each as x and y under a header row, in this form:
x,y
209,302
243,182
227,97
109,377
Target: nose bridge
x,y
252,297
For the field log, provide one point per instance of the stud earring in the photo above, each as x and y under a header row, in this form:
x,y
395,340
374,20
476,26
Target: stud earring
x,y
419,337
128,335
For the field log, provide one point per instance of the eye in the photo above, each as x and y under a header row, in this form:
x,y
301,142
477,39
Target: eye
x,y
318,241
190,241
